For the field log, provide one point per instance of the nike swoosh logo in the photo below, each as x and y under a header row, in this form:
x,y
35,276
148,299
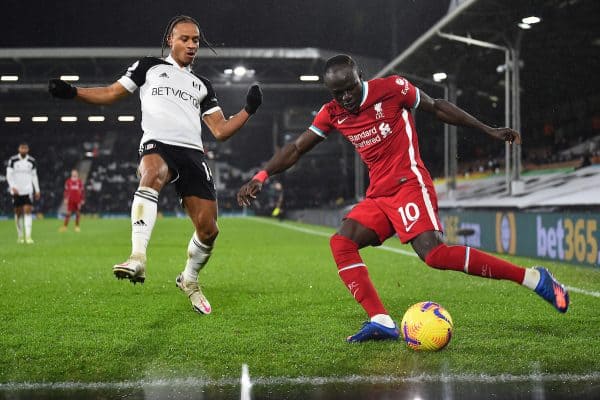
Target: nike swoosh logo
x,y
408,228
341,121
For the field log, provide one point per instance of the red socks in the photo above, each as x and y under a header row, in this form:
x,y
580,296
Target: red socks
x,y
473,262
354,273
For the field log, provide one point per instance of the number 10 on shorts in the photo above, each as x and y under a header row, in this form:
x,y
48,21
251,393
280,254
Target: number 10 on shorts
x,y
410,215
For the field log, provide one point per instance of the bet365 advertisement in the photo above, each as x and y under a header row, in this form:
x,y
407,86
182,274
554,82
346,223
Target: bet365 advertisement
x,y
569,237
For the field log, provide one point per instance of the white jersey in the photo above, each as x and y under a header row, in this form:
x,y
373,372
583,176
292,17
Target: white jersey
x,y
21,174
173,101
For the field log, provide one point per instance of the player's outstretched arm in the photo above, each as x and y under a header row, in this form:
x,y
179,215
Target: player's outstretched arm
x,y
451,114
222,128
283,159
103,95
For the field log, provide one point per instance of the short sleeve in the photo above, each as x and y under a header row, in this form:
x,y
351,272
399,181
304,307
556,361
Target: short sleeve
x,y
408,93
321,124
135,76
209,104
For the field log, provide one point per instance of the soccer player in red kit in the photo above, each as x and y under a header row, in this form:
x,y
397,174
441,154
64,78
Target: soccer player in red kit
x,y
375,116
74,198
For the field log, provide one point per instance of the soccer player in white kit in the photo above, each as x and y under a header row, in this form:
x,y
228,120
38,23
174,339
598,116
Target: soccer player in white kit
x,y
174,100
23,184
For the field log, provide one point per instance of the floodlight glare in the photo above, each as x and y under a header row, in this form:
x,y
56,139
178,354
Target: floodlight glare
x,y
309,78
69,78
439,76
239,71
531,20
524,26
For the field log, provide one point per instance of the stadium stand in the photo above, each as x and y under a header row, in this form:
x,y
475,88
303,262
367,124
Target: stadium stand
x,y
573,188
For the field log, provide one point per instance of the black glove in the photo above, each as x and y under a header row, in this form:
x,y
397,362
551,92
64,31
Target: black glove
x,y
253,99
61,89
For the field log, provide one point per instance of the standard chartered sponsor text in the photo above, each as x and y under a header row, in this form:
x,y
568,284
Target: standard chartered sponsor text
x,y
371,136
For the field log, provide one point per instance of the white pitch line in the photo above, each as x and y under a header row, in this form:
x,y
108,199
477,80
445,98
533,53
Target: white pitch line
x,y
583,291
245,384
319,233
591,377
388,248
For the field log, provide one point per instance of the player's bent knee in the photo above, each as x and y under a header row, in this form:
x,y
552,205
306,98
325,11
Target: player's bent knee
x,y
154,177
436,257
207,235
342,249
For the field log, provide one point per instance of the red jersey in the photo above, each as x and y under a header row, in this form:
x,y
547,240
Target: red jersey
x,y
74,190
382,131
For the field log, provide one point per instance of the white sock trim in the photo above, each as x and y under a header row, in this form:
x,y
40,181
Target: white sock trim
x,y
383,319
467,258
147,193
351,266
531,279
199,243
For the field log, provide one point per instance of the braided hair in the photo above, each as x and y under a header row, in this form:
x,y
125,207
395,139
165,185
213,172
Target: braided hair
x,y
169,31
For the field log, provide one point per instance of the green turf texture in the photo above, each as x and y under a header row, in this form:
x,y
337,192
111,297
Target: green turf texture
x,y
278,305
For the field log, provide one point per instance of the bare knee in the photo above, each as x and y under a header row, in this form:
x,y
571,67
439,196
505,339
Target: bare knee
x,y
154,172
425,243
155,178
207,232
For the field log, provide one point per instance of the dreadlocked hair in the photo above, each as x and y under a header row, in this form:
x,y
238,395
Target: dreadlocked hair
x,y
169,31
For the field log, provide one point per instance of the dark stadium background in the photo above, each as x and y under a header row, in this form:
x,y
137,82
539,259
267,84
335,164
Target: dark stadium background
x,y
559,109
352,26
347,25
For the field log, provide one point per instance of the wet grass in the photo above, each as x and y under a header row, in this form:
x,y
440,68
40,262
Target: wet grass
x,y
278,306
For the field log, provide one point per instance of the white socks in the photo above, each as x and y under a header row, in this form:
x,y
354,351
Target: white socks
x,y
143,216
28,222
383,319
532,278
198,255
19,225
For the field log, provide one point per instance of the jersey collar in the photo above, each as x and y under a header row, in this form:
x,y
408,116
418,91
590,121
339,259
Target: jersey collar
x,y
171,60
365,92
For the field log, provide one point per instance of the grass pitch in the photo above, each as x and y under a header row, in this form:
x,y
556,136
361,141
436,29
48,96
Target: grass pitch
x,y
278,306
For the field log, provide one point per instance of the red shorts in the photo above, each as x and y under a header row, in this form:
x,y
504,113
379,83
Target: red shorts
x,y
73,206
410,212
